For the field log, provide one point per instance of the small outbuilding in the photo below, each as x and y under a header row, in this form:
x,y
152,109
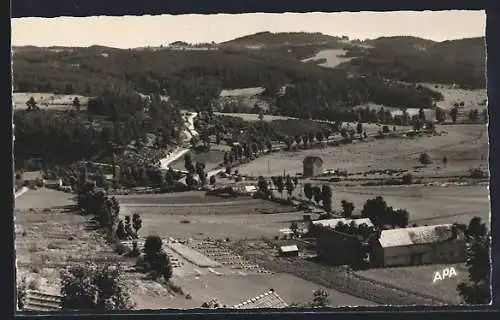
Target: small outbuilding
x,y
289,251
312,166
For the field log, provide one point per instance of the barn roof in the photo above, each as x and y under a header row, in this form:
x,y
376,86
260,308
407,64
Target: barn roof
x,y
290,248
269,299
332,223
416,235
312,159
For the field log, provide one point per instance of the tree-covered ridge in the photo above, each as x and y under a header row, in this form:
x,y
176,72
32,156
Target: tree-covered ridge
x,y
112,121
194,79
281,38
409,59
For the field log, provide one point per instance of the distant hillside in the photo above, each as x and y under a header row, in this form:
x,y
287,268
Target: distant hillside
x,y
411,59
283,38
194,79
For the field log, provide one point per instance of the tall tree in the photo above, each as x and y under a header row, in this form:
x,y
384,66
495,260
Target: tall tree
x,y
454,114
477,290
308,191
327,197
76,104
347,208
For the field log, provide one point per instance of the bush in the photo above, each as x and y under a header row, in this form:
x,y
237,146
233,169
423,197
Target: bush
x,y
34,284
425,159
407,178
478,173
152,246
92,287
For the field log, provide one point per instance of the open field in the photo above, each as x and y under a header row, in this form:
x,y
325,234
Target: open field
x,y
211,159
216,222
472,99
53,101
419,279
427,205
43,198
464,145
245,92
252,116
333,57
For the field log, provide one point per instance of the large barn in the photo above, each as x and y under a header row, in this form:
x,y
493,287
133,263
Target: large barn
x,y
312,166
420,245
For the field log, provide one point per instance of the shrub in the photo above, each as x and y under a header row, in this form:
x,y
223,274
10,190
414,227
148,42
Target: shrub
x,y
152,246
425,159
407,178
91,287
34,284
478,173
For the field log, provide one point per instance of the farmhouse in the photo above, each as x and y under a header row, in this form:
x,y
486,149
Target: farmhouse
x,y
420,245
289,251
269,299
313,166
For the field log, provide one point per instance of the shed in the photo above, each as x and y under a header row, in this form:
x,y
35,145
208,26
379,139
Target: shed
x,y
289,251
420,245
312,166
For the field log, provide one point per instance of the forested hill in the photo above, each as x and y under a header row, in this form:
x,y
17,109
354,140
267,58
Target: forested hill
x,y
282,38
411,59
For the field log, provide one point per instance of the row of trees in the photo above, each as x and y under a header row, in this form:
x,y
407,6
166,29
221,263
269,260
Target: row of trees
x,y
320,194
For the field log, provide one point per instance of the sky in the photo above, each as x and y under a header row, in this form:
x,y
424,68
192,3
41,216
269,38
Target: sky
x,y
142,31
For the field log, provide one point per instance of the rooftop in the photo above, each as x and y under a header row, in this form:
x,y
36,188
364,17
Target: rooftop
x,y
416,235
312,158
269,299
290,248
